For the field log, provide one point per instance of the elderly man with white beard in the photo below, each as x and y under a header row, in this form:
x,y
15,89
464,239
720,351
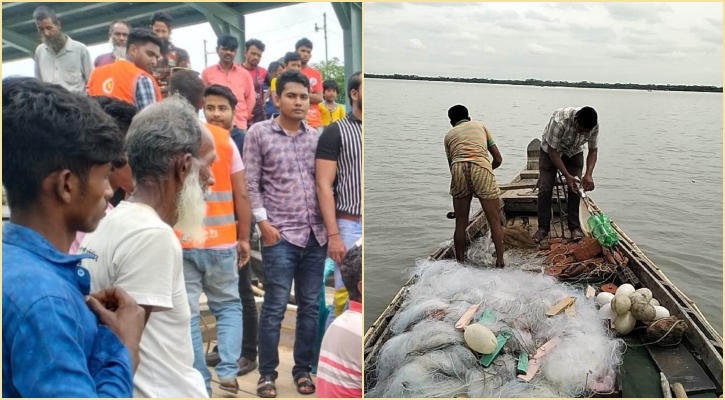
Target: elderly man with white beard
x,y
170,153
117,36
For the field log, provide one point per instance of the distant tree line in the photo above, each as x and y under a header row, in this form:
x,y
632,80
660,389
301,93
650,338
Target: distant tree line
x,y
537,82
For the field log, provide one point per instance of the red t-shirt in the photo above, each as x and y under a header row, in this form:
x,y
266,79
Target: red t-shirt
x,y
314,117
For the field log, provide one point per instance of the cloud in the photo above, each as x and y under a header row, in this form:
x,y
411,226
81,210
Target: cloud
x,y
623,52
370,6
465,35
416,44
707,35
649,12
538,50
515,25
717,23
495,15
592,34
486,49
569,6
531,14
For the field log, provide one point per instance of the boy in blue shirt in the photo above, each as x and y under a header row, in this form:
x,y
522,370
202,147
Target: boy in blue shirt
x,y
58,341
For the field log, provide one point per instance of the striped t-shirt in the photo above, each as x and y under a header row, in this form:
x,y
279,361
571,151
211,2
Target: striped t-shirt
x,y
342,142
469,141
339,370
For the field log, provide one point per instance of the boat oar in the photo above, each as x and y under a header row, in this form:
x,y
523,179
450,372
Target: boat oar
x,y
585,210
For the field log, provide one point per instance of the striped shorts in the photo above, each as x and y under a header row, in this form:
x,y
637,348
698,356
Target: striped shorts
x,y
468,178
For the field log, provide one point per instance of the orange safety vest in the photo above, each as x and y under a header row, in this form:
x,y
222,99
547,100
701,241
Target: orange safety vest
x,y
219,221
118,80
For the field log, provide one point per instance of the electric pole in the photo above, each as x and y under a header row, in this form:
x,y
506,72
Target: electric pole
x,y
324,28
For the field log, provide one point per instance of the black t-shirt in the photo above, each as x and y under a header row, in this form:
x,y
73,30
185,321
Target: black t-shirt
x,y
341,142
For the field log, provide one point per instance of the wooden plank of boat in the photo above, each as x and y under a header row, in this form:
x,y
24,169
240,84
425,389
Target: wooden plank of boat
x,y
677,365
705,342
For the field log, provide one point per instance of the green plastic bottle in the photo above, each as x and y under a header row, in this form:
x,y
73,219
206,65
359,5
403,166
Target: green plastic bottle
x,y
602,230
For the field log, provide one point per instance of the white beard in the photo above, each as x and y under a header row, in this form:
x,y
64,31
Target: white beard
x,y
191,209
118,51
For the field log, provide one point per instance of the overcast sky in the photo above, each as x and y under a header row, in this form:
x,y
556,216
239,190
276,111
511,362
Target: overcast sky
x,y
279,29
676,43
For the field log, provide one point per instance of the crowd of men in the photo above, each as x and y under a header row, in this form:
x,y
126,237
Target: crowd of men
x,y
126,206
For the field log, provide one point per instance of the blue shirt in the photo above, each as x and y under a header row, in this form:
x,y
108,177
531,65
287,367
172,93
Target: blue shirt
x,y
53,345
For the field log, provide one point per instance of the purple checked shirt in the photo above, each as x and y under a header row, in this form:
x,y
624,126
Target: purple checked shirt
x,y
281,180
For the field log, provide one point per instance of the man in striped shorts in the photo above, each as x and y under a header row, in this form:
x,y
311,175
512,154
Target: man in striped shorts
x,y
467,146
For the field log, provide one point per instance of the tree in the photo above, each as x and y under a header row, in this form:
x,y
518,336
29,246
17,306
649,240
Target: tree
x,y
334,69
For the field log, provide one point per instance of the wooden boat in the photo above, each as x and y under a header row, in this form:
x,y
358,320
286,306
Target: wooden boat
x,y
695,363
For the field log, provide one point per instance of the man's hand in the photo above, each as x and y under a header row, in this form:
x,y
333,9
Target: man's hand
x,y
119,311
336,248
571,182
588,183
244,253
270,234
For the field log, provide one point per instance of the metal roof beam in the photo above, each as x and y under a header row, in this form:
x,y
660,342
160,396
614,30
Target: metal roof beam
x,y
19,42
132,13
220,11
65,10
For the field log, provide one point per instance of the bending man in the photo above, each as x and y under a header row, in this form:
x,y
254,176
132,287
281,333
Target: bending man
x,y
467,147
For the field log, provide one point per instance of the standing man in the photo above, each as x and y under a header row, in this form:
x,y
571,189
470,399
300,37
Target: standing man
x,y
562,149
219,104
340,370
314,118
339,184
280,158
235,77
135,247
58,151
60,59
171,56
117,36
211,267
120,178
252,56
467,147
130,79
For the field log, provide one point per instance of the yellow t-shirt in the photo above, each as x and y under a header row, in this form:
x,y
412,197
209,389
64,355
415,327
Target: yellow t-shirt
x,y
330,117
273,84
469,141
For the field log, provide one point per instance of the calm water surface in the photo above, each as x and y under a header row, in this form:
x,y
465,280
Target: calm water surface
x,y
659,174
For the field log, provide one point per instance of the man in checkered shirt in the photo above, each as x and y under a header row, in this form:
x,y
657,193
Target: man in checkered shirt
x,y
562,149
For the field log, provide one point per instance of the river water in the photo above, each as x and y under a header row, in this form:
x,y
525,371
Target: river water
x,y
659,174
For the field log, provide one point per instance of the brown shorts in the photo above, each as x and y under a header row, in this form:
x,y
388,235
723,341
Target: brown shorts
x,y
469,178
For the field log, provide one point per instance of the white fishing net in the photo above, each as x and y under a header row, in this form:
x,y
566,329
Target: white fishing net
x,y
427,357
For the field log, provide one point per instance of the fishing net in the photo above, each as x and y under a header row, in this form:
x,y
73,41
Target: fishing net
x,y
428,357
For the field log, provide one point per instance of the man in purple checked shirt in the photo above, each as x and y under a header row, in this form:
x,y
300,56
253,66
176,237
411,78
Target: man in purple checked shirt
x,y
279,155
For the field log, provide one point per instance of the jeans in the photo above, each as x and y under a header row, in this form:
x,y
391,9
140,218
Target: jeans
x,y
350,232
249,313
215,272
283,263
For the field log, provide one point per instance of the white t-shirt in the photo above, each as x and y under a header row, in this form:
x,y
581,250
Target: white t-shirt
x,y
136,250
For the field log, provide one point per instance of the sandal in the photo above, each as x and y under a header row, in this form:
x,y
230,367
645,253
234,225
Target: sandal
x,y
268,390
246,366
305,383
539,235
231,386
576,234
